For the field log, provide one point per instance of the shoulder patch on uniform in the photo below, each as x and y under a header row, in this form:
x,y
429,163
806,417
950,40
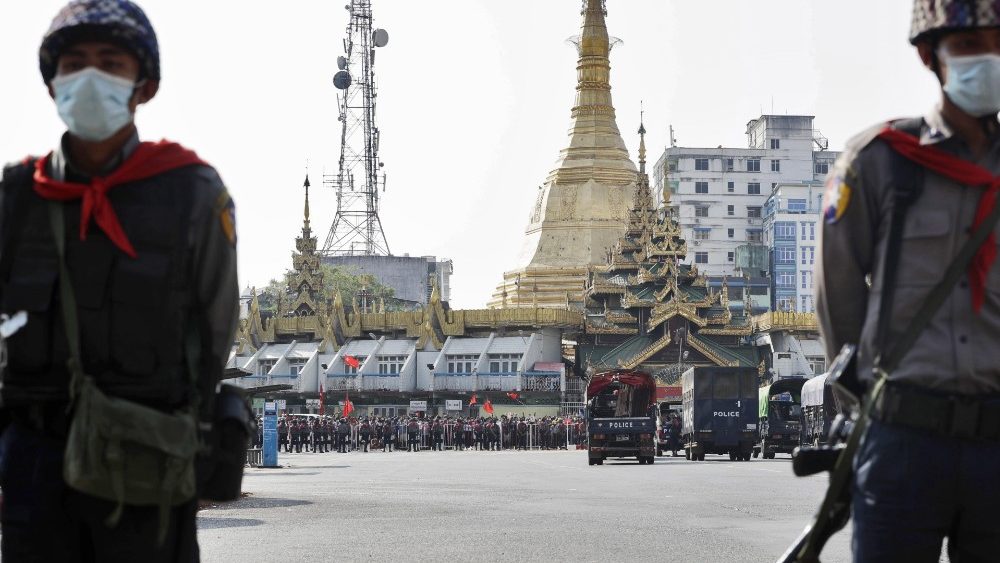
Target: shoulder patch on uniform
x,y
225,209
836,198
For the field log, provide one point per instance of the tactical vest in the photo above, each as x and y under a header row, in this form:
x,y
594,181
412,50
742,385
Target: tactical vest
x,y
133,313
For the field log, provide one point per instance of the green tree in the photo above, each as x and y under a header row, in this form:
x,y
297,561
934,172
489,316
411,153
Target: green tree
x,y
343,279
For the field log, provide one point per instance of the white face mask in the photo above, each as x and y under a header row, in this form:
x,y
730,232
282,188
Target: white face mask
x,y
973,82
93,104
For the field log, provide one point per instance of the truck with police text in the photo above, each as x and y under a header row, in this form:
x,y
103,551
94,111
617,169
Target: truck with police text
x,y
621,416
720,412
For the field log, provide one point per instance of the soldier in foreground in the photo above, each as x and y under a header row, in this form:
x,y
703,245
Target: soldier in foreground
x,y
124,255
927,468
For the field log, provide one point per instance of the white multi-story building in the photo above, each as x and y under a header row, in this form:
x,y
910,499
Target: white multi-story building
x,y
719,194
791,227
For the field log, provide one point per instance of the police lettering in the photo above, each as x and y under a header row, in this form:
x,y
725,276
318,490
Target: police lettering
x,y
620,424
726,414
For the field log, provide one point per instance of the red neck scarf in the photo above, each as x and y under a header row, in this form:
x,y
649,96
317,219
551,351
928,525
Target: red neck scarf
x,y
148,160
963,172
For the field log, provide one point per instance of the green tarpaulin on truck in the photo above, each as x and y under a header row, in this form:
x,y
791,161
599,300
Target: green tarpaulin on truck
x,y
791,385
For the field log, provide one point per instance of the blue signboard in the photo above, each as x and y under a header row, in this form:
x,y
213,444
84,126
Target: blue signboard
x,y
270,450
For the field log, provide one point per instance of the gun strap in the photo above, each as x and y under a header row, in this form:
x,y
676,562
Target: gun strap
x,y
67,299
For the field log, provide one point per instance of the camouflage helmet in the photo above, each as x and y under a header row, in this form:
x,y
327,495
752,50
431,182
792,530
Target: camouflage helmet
x,y
116,21
936,16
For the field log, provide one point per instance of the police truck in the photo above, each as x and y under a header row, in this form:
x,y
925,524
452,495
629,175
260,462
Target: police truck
x,y
621,416
720,412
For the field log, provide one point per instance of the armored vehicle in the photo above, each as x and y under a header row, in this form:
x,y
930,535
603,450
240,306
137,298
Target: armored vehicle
x,y
621,416
720,412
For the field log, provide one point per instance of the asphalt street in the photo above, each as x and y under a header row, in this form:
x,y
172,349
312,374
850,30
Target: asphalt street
x,y
513,506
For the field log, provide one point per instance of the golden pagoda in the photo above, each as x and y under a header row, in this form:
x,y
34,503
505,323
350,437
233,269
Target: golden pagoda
x,y
580,210
645,310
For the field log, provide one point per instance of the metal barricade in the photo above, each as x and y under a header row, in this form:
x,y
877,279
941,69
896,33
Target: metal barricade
x,y
255,457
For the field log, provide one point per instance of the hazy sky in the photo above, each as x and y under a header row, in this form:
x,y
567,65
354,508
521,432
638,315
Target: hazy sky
x,y
474,101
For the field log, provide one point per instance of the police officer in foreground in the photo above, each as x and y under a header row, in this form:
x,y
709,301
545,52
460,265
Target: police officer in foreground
x,y
148,240
929,465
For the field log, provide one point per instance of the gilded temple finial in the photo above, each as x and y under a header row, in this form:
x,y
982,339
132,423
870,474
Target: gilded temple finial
x,y
306,231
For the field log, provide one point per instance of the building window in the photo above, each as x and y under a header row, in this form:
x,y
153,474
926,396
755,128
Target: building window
x,y
755,236
775,166
504,363
671,166
701,211
812,231
786,304
808,255
462,364
264,366
730,256
775,143
785,255
784,231
701,258
753,188
732,233
797,205
354,370
701,164
785,279
804,277
731,186
729,165
821,167
730,210
753,211
753,165
295,366
390,365
702,234
701,187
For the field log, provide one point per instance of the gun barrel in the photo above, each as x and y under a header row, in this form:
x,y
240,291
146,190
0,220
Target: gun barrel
x,y
809,460
792,554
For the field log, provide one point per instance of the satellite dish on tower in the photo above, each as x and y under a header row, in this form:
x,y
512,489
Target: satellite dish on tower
x,y
342,63
380,37
342,80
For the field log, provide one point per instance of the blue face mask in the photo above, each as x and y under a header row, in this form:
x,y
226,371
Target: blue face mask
x,y
93,104
973,83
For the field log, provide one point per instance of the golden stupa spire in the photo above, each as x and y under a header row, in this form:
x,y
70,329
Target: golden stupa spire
x,y
596,150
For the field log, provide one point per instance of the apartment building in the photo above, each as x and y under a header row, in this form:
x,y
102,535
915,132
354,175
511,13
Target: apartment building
x,y
791,229
719,194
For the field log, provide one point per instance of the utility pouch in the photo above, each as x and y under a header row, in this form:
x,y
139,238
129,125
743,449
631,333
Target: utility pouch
x,y
220,468
128,453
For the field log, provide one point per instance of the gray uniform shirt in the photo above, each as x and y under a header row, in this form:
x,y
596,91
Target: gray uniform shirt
x,y
960,349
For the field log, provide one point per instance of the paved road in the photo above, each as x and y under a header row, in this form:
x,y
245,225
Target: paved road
x,y
513,506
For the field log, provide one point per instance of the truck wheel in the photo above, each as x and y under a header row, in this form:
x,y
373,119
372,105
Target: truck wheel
x,y
590,461
746,456
650,460
701,456
599,462
732,456
659,451
756,453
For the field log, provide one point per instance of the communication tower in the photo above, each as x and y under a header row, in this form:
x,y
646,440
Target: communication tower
x,y
357,228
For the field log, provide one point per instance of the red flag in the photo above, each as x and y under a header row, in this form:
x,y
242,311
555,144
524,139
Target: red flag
x,y
351,361
348,406
322,407
513,396
472,401
488,406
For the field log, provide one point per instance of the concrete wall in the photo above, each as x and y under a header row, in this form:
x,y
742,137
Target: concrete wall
x,y
409,276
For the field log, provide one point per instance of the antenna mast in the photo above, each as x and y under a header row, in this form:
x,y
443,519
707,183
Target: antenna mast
x,y
357,228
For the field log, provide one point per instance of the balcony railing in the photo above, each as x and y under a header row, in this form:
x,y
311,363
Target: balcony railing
x,y
497,381
341,382
381,382
541,381
454,382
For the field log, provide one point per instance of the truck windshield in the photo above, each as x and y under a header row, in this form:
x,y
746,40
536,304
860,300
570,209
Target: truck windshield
x,y
623,401
786,410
